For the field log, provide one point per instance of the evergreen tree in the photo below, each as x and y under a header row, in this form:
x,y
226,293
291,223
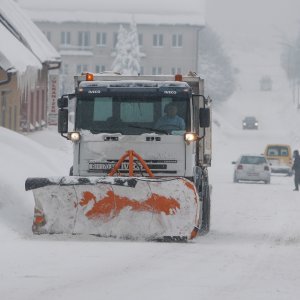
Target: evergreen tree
x,y
127,53
134,54
120,62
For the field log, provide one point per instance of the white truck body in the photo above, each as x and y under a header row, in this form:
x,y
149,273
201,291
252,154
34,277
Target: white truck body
x,y
168,155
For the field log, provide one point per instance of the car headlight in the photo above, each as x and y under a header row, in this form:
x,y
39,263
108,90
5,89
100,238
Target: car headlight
x,y
74,136
256,124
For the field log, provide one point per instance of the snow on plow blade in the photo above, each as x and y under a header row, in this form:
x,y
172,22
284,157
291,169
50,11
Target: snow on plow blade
x,y
132,207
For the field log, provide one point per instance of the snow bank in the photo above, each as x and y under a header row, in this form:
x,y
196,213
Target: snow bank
x,y
21,157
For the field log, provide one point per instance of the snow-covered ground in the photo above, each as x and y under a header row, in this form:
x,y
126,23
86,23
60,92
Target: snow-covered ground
x,y
252,251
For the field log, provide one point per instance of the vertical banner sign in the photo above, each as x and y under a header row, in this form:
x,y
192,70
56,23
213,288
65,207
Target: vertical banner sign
x,y
52,99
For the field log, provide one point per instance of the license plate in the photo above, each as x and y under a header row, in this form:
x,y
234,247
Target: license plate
x,y
109,166
253,174
101,166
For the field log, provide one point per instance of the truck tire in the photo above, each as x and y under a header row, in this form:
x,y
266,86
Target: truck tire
x,y
205,226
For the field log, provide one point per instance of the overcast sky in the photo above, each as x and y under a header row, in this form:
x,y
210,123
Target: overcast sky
x,y
255,21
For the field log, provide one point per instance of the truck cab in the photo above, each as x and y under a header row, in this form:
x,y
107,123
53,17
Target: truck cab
x,y
114,114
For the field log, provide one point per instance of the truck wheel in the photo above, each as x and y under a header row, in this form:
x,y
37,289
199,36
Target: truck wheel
x,y
205,226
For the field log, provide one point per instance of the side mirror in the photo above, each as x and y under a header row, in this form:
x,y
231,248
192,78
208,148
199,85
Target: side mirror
x,y
204,116
62,121
63,101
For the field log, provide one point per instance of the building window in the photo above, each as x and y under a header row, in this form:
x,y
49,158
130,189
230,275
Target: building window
x,y
156,71
43,106
10,118
84,38
100,68
177,40
81,68
176,70
65,38
15,118
38,114
101,39
158,40
4,101
141,40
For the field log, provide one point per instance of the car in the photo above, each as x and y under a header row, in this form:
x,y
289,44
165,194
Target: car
x,y
252,168
250,123
280,158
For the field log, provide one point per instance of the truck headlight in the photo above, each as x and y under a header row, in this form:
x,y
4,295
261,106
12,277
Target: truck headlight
x,y
191,137
74,136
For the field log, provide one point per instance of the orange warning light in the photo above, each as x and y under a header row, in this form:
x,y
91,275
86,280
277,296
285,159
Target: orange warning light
x,y
89,77
178,77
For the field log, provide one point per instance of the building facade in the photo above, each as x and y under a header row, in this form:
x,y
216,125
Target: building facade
x,y
85,34
166,49
26,59
10,103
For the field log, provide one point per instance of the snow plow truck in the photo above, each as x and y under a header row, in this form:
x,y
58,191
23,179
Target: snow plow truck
x,y
142,146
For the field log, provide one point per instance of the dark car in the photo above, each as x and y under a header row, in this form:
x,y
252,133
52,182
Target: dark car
x,y
250,123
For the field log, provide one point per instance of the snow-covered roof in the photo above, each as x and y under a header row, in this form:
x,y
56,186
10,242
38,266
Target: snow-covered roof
x,y
13,54
30,34
16,57
188,12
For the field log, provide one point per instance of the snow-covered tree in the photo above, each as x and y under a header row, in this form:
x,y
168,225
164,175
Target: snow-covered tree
x,y
215,66
290,62
134,54
127,52
121,58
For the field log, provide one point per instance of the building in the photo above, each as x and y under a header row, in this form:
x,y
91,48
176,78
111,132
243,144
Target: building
x,y
26,58
85,33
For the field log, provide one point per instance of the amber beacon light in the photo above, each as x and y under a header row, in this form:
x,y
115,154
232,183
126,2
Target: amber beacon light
x,y
89,77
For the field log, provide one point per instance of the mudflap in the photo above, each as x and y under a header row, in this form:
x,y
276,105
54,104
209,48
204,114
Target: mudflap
x,y
124,207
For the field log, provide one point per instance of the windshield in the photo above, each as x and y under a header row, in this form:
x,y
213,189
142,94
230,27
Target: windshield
x,y
278,151
133,115
253,160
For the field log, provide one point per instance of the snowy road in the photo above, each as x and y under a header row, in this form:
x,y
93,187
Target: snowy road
x,y
252,251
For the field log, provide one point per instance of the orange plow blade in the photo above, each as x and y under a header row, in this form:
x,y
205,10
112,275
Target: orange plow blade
x,y
132,207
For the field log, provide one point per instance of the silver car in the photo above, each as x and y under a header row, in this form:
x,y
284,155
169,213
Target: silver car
x,y
252,168
250,123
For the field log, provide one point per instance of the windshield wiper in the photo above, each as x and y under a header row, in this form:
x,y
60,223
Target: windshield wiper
x,y
148,128
96,131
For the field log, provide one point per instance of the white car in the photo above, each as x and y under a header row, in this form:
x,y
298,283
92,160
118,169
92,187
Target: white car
x,y
252,168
